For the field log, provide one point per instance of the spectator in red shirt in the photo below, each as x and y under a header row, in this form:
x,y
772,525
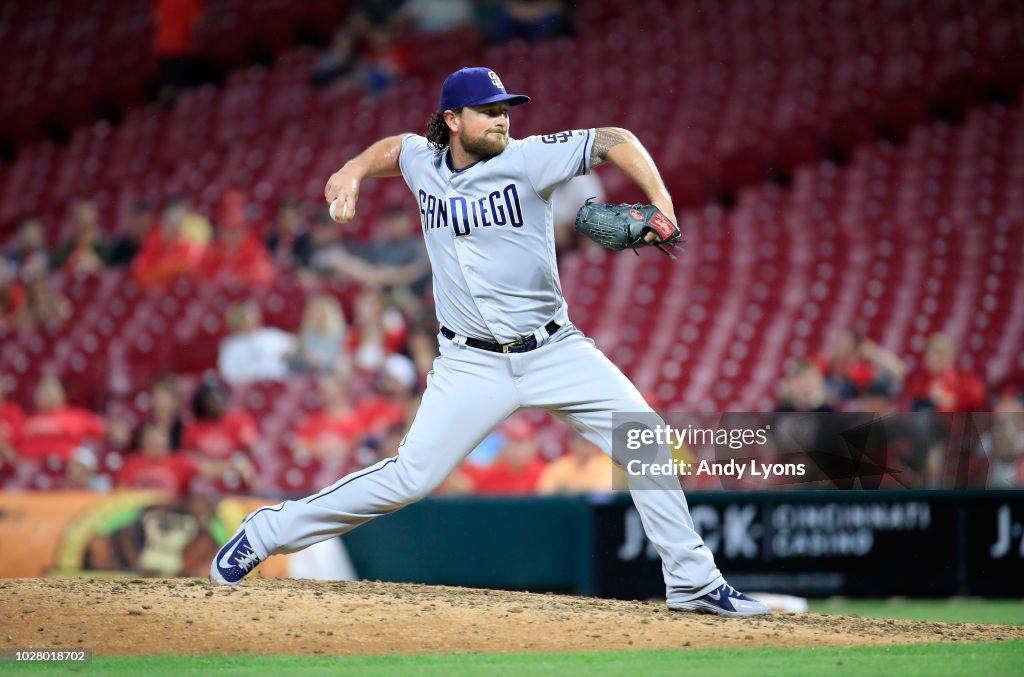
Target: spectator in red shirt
x,y
56,428
333,431
221,441
168,252
519,467
236,253
155,466
941,385
12,419
175,24
854,362
397,402
387,58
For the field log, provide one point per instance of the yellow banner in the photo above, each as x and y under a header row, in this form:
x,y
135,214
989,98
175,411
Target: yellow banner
x,y
132,533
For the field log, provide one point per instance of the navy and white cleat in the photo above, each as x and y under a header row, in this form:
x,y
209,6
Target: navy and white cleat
x,y
724,600
234,560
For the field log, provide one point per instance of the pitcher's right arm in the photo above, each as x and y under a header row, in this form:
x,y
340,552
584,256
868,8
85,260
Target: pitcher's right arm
x,y
379,160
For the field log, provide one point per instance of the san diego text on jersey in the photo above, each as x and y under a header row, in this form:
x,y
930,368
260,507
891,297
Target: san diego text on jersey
x,y
497,208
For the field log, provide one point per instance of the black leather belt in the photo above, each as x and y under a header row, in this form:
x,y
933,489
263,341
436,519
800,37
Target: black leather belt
x,y
523,345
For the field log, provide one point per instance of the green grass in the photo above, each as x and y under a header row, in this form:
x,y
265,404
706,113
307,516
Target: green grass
x,y
991,660
992,611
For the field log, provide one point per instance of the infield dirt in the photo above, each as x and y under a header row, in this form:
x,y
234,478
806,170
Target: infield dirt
x,y
263,616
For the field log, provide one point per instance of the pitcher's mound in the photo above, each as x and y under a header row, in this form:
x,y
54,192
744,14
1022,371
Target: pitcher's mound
x,y
262,616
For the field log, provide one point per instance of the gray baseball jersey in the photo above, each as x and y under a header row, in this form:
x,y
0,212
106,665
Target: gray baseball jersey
x,y
488,231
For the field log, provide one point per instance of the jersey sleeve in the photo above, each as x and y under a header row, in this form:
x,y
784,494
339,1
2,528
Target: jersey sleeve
x,y
553,159
413,152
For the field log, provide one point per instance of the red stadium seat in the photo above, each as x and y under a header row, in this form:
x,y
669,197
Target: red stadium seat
x,y
916,233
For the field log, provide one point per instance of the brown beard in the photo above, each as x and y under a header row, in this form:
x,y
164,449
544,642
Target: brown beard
x,y
485,146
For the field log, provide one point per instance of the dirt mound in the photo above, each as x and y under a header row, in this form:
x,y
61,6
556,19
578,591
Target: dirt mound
x,y
147,616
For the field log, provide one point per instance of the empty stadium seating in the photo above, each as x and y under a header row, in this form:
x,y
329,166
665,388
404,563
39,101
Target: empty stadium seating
x,y
725,94
65,61
920,233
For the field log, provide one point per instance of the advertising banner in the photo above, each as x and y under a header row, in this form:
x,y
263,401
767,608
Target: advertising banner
x,y
857,544
137,532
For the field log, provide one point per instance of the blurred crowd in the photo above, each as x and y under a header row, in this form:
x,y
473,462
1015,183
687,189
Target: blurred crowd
x,y
368,359
928,446
372,48
368,356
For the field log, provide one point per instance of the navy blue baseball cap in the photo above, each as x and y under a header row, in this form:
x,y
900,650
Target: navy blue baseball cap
x,y
476,87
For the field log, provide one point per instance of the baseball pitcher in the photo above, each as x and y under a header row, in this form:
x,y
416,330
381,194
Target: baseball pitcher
x,y
484,201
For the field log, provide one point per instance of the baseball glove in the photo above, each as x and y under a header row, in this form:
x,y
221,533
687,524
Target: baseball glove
x,y
623,226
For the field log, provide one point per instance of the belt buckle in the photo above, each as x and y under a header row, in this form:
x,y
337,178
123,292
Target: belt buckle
x,y
507,347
